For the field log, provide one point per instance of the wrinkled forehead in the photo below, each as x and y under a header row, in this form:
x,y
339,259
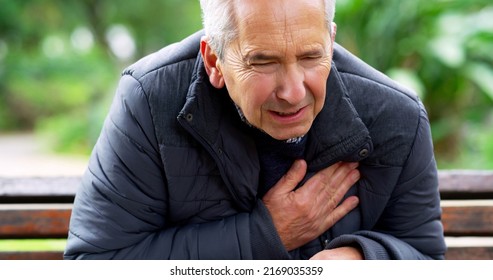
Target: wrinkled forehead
x,y
288,12
281,22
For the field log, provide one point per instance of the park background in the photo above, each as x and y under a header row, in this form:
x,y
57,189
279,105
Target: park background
x,y
60,62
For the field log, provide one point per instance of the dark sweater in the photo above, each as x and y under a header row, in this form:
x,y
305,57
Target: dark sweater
x,y
276,157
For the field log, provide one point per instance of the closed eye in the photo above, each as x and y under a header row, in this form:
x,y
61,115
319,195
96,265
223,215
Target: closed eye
x,y
310,61
311,57
267,66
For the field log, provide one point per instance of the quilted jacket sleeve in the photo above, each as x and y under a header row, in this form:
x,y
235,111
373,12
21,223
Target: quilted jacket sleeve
x,y
120,209
410,227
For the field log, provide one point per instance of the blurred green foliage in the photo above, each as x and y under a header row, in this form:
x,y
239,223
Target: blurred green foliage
x,y
20,245
443,50
60,59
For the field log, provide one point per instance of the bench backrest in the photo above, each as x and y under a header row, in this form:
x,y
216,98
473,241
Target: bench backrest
x,y
467,205
35,208
38,208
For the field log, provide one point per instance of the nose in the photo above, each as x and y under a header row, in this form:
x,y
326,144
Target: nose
x,y
291,85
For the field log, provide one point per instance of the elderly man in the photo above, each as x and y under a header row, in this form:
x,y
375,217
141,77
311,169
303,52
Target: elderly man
x,y
260,139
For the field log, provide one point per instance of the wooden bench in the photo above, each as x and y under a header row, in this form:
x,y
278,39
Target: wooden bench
x,y
35,208
467,205
39,208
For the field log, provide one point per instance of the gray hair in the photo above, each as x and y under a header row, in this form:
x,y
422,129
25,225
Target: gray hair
x,y
218,18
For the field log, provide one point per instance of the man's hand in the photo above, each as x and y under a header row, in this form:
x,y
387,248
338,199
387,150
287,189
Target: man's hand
x,y
342,253
303,214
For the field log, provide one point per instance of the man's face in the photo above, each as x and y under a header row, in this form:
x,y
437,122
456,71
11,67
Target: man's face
x,y
276,71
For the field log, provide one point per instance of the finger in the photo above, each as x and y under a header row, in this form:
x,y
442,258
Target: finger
x,y
342,171
326,181
314,185
347,182
340,211
343,177
291,179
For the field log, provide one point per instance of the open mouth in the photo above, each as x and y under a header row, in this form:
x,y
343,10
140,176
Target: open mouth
x,y
287,114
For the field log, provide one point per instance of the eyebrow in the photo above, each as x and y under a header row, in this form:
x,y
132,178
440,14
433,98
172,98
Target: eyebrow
x,y
263,56
312,52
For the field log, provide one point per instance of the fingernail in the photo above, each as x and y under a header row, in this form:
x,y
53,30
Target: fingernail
x,y
354,200
356,175
298,163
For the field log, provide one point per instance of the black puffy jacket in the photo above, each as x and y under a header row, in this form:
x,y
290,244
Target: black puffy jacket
x,y
173,175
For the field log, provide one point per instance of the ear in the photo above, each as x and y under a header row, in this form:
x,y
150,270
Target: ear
x,y
333,27
211,64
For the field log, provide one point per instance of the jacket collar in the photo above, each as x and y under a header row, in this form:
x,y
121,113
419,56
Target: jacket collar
x,y
338,133
210,116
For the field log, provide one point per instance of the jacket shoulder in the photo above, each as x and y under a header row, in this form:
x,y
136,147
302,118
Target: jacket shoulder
x,y
163,80
184,50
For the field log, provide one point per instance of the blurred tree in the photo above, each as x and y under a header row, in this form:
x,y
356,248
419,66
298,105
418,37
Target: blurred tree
x,y
59,62
441,49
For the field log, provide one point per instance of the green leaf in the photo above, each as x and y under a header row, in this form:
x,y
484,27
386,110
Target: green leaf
x,y
482,75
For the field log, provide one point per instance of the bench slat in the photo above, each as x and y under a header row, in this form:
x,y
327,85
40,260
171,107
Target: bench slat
x,y
469,253
32,255
34,223
466,184
454,184
453,253
38,189
468,220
